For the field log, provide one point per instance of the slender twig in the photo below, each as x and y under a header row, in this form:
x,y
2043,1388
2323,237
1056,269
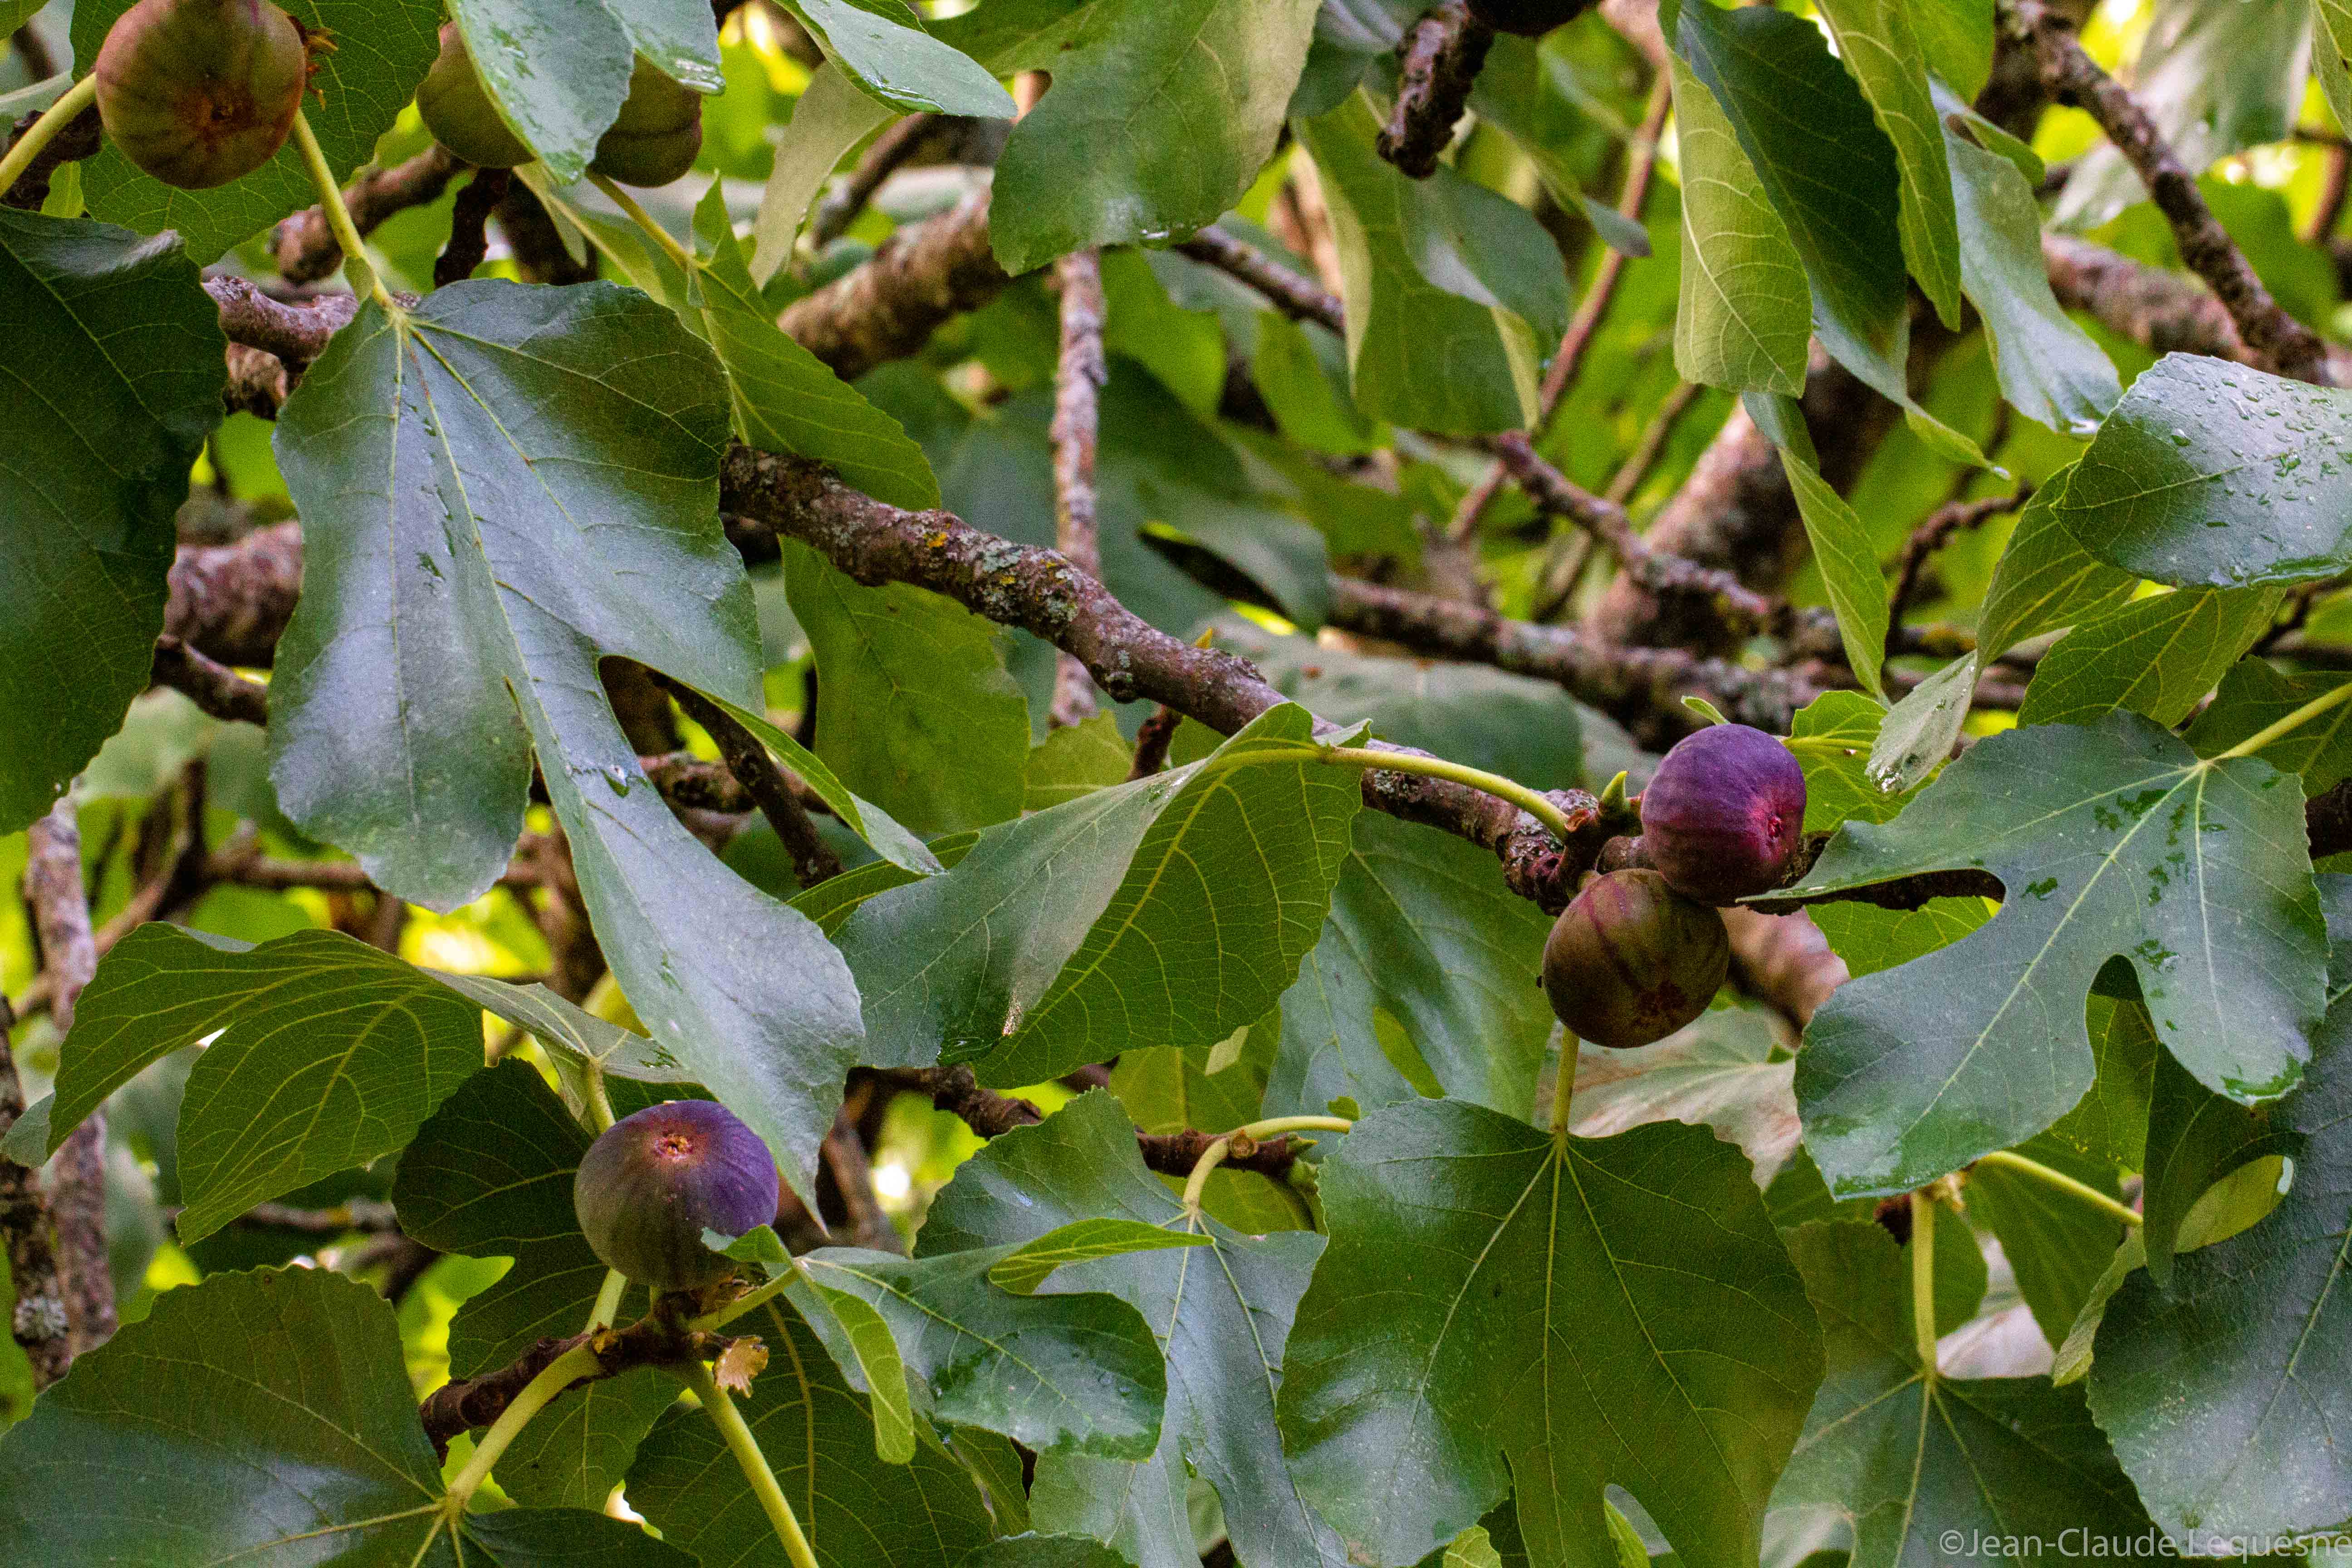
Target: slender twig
x,y
552,1379
1152,742
469,218
1952,517
1077,395
60,909
882,158
214,687
1653,443
2329,209
2072,77
40,1325
767,782
1300,299
1438,61
1642,160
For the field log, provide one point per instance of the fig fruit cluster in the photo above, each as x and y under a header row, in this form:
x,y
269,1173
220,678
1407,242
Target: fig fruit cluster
x,y
655,138
1529,19
653,1182
201,92
1639,953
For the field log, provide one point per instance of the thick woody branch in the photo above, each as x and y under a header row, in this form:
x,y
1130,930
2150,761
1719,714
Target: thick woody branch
x,y
39,1325
230,602
60,910
305,247
296,334
888,308
1036,590
2166,312
1438,61
1077,395
2072,76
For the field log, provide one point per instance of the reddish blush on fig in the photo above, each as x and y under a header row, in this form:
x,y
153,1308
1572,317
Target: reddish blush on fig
x,y
1724,814
201,92
654,1182
1629,961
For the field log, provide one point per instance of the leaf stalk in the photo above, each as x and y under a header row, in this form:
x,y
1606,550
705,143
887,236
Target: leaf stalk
x,y
2288,725
2004,1160
1529,801
577,1362
363,276
752,1462
1922,1247
44,130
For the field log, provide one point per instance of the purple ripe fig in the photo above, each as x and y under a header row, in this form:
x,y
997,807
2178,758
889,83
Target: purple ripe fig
x,y
655,1182
201,92
1529,19
658,135
457,108
1724,814
1629,961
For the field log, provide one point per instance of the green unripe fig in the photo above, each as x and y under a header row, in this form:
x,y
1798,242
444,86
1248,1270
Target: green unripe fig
x,y
653,1182
1630,961
1529,19
457,108
656,137
201,92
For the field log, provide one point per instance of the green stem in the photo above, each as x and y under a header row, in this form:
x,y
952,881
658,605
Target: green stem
x,y
1922,1247
2293,721
1517,794
1563,1085
1197,1184
608,1302
1275,1126
600,1104
577,1362
644,220
754,1463
363,276
44,130
2114,1210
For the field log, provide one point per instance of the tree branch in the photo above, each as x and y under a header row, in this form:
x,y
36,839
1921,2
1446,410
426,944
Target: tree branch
x,y
469,217
888,307
1932,535
1300,299
53,888
767,783
214,687
1438,61
991,1114
1077,394
305,247
883,157
39,1326
2072,76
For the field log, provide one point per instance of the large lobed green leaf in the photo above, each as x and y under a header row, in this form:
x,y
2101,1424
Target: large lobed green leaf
x,y
1914,1468
1172,910
262,1417
324,1054
2110,841
1220,1313
113,378
1502,1310
383,50
2210,473
465,569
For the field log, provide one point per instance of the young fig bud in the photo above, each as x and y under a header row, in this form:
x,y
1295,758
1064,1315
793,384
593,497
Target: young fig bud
x,y
650,1186
1529,19
658,135
1629,963
457,108
201,92
1724,814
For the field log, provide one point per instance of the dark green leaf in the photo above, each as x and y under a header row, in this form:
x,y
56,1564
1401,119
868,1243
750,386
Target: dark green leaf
x,y
98,441
1220,1314
1162,113
325,1054
576,1451
2156,656
1062,938
2055,1241
1876,40
260,1416
2110,841
1745,314
1043,1552
557,69
388,46
2253,696
1074,760
914,707
857,1512
2253,1337
2110,1125
1491,1294
2210,473
464,572
490,1176
882,47
1907,1464
567,1538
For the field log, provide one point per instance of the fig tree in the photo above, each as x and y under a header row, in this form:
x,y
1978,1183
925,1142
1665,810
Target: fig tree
x,y
658,135
650,1186
201,92
1630,961
457,109
1724,814
1529,19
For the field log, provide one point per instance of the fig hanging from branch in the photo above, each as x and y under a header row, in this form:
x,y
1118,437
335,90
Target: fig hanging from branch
x,y
201,92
